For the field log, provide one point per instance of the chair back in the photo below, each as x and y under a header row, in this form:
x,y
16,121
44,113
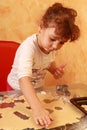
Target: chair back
x,y
7,53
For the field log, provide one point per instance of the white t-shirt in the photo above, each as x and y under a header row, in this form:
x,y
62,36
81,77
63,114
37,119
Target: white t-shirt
x,y
29,61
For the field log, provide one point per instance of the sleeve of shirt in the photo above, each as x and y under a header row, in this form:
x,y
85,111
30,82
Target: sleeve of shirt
x,y
25,61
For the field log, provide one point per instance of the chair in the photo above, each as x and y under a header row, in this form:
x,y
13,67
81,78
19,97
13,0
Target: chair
x,y
7,53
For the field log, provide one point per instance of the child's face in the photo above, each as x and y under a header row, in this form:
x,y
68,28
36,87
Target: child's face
x,y
48,41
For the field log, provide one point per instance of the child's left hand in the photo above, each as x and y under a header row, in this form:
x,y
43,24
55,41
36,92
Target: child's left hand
x,y
59,71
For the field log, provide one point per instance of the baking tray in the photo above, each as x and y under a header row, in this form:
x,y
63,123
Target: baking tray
x,y
78,102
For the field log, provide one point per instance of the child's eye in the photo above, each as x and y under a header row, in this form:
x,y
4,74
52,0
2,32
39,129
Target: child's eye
x,y
52,39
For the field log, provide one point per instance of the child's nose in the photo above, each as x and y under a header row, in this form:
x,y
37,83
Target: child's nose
x,y
55,46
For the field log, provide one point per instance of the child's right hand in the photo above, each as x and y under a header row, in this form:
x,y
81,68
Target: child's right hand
x,y
59,71
42,117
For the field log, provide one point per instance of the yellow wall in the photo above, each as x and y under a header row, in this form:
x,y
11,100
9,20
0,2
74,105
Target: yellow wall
x,y
20,18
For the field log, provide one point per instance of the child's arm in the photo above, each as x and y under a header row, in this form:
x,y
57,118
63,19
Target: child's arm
x,y
41,116
56,71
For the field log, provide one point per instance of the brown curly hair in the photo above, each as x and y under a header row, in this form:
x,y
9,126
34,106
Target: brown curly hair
x,y
63,19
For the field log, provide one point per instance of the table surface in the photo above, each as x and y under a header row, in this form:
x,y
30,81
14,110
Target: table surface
x,y
76,90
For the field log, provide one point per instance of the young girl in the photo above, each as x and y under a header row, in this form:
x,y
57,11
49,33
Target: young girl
x,y
37,54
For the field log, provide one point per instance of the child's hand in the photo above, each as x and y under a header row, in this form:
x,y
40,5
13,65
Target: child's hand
x,y
42,117
59,71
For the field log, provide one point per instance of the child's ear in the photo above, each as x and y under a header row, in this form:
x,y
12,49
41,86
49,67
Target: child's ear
x,y
40,27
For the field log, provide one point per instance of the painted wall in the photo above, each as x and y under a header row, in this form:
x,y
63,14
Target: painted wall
x,y
20,18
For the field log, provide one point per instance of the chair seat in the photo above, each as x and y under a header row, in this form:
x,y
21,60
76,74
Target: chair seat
x,y
7,53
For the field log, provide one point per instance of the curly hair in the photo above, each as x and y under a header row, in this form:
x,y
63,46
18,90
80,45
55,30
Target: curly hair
x,y
63,19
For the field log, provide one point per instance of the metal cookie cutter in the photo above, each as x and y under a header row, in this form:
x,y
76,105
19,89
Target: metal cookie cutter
x,y
62,90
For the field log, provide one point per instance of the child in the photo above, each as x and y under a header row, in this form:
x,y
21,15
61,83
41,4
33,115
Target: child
x,y
37,53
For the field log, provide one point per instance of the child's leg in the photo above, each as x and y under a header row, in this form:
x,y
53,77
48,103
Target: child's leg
x,y
9,88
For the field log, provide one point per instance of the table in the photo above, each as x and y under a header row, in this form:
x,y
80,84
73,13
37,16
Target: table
x,y
67,116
